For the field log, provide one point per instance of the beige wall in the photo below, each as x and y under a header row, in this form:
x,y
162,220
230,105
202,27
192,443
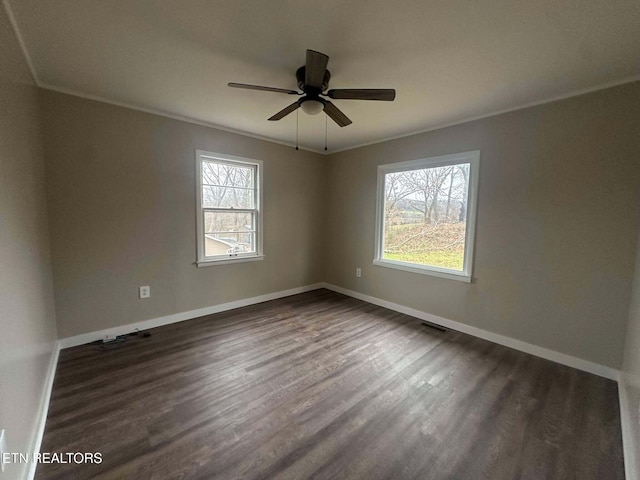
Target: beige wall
x,y
121,197
27,321
556,226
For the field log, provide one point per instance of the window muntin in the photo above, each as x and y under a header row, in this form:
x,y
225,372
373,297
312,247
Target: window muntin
x,y
426,215
229,215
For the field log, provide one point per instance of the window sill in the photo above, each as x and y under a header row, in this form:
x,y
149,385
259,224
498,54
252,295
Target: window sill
x,y
227,261
424,270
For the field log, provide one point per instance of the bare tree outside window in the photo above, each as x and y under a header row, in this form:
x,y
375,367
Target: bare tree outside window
x,y
229,207
424,212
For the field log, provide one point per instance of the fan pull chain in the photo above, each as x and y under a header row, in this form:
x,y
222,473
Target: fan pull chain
x,y
325,133
297,117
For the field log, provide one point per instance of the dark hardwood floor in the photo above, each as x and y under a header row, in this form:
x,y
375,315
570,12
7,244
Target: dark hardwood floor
x,y
320,385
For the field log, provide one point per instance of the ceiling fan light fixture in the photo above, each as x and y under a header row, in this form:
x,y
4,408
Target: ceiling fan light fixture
x,y
312,107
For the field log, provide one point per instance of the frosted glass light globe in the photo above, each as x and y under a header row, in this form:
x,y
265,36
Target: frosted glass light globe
x,y
312,107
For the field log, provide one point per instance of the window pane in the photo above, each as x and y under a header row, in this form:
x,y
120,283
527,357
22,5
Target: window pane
x,y
425,216
229,233
223,174
227,197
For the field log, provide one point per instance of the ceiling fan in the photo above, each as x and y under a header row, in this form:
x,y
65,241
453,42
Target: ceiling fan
x,y
313,79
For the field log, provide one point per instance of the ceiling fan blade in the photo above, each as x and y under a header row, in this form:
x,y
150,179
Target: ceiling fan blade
x,y
336,114
265,89
315,67
285,111
384,94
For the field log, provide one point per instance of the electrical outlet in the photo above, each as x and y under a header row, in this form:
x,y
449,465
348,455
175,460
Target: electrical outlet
x,y
358,272
145,292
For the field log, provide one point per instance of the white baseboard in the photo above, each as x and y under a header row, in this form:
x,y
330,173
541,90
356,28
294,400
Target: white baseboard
x,y
525,347
180,317
36,439
630,428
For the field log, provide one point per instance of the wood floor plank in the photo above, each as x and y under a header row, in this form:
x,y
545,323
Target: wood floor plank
x,y
320,385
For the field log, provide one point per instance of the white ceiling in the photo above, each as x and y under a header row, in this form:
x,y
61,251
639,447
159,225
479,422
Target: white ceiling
x,y
448,60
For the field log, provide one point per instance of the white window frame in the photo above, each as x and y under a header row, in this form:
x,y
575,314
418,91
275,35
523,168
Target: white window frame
x,y
202,260
473,159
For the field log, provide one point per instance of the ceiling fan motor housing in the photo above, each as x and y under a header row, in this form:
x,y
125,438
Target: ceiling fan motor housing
x,y
300,76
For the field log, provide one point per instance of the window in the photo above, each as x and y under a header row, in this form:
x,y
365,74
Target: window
x,y
229,215
426,215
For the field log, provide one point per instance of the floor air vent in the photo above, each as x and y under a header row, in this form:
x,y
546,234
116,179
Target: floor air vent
x,y
434,327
